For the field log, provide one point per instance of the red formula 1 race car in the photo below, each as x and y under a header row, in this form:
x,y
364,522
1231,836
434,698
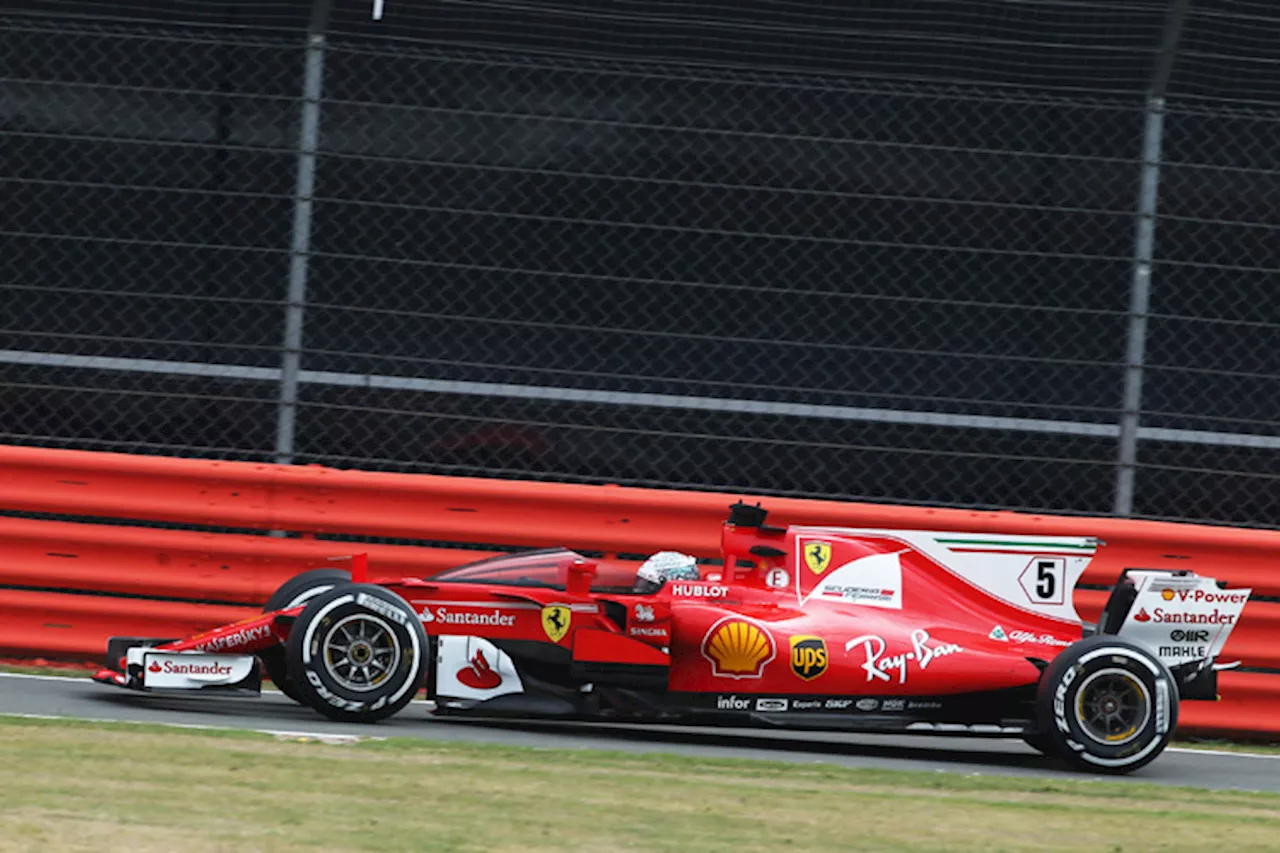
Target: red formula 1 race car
x,y
804,627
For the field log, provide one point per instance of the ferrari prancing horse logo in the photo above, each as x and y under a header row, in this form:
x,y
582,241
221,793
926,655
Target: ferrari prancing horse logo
x,y
817,556
555,621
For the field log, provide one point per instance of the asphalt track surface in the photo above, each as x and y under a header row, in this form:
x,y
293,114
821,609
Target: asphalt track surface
x,y
80,698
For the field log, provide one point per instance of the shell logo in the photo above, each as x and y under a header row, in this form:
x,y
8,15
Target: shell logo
x,y
1166,594
738,648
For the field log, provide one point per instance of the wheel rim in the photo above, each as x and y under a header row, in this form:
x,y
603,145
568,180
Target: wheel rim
x,y
361,652
1113,706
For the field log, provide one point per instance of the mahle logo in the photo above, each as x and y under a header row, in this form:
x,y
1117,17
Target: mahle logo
x,y
808,656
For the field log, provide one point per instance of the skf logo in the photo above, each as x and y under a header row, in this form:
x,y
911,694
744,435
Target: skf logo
x,y
808,656
555,621
738,648
817,556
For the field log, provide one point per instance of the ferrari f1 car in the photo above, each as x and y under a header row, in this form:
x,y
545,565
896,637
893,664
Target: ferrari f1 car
x,y
869,630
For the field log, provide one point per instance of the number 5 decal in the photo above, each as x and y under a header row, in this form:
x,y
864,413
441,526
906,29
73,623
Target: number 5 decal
x,y
1043,580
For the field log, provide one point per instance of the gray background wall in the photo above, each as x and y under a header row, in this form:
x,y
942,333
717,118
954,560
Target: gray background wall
x,y
883,253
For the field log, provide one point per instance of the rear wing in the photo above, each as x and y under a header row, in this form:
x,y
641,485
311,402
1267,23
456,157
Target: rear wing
x,y
1185,619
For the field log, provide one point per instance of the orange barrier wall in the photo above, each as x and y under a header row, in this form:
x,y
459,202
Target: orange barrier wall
x,y
59,626
315,499
221,567
214,577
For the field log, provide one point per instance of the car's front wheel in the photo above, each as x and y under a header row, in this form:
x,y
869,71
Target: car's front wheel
x,y
297,590
1107,705
357,653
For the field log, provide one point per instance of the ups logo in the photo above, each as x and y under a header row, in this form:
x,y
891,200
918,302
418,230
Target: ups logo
x,y
808,656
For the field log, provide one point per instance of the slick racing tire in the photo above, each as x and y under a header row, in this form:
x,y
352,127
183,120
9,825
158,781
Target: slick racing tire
x,y
1039,743
357,653
293,592
1107,705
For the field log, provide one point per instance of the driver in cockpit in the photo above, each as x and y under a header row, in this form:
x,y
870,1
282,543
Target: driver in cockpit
x,y
662,567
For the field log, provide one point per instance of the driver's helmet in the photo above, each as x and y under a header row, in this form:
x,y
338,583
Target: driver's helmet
x,y
662,567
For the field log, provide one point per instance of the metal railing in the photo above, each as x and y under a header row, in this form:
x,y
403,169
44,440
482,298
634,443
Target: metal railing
x,y
989,255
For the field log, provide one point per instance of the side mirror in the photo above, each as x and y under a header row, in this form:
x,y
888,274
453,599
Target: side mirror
x,y
581,573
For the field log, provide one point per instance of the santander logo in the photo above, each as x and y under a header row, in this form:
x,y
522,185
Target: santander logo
x,y
170,667
1160,615
478,675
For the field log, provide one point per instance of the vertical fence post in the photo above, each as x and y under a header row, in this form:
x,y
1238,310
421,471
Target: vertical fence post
x,y
1143,255
300,248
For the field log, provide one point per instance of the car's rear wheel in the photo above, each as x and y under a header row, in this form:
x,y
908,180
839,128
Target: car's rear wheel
x,y
357,653
1039,742
297,590
1107,705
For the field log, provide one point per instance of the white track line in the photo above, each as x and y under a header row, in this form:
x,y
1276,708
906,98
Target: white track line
x,y
326,737
84,679
1226,752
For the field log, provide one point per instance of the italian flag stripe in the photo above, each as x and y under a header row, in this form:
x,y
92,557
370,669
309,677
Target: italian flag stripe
x,y
1038,553
1021,546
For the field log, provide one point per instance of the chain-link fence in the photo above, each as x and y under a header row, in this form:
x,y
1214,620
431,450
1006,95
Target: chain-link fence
x,y
899,252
